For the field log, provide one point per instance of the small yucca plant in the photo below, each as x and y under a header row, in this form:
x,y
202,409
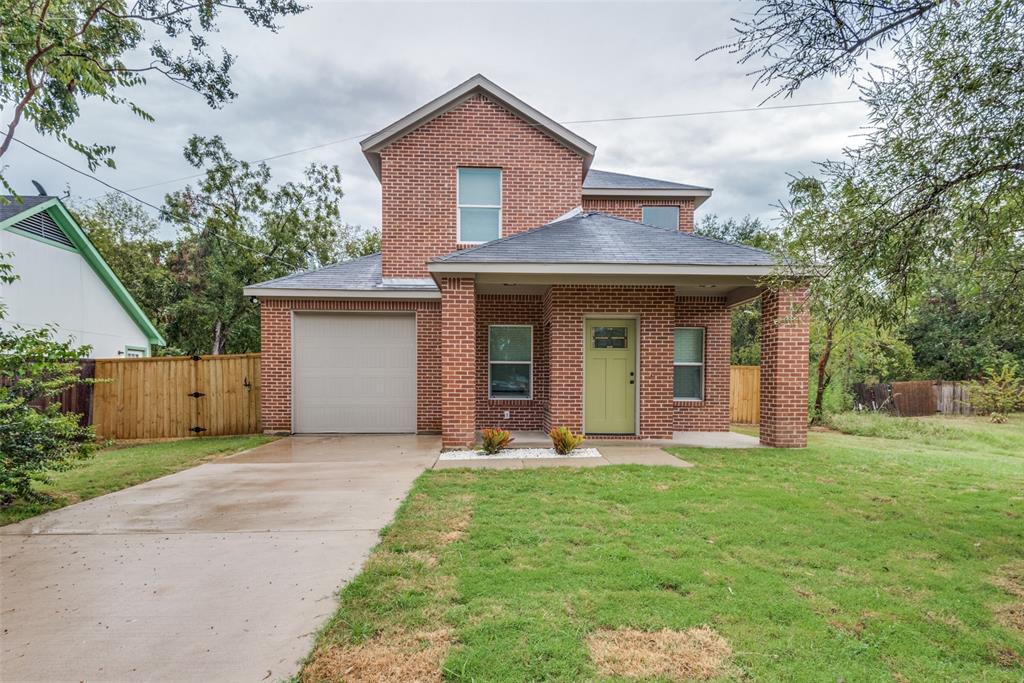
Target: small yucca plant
x,y
494,440
564,441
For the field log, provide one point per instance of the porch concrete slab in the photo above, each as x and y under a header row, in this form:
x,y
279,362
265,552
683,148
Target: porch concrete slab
x,y
622,453
687,439
715,440
480,464
641,455
538,463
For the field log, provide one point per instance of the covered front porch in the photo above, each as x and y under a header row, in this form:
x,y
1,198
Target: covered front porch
x,y
643,362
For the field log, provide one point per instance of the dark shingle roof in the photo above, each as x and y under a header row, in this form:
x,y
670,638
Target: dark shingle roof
x,y
606,180
10,207
600,238
358,274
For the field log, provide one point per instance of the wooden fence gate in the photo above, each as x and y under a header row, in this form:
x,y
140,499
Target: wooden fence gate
x,y
152,398
745,394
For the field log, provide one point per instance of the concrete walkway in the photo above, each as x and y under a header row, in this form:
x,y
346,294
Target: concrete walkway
x,y
219,573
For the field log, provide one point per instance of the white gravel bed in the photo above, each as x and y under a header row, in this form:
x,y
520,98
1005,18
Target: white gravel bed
x,y
519,454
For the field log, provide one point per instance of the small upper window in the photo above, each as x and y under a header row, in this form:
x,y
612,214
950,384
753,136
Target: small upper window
x,y
662,216
479,204
688,370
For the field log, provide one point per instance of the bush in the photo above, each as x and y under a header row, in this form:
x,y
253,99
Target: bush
x,y
564,441
1002,390
495,440
34,370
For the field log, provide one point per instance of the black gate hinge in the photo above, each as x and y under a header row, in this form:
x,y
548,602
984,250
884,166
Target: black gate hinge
x,y
197,394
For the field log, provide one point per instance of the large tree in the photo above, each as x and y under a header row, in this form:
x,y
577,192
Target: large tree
x,y
127,238
54,54
939,178
236,228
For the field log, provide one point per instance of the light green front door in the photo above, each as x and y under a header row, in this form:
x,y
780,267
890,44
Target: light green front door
x,y
610,377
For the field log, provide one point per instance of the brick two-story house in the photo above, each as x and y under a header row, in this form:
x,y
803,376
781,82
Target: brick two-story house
x,y
517,287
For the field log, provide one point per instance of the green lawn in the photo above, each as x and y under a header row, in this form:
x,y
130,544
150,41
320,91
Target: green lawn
x,y
860,558
119,467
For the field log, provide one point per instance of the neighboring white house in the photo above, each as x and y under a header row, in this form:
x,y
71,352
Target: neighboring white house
x,y
63,281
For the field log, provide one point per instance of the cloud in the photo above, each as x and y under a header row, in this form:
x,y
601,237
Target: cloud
x,y
344,69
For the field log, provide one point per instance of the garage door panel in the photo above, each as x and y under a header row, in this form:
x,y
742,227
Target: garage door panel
x,y
354,373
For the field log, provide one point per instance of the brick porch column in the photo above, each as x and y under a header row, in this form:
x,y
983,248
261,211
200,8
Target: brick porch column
x,y
458,362
785,330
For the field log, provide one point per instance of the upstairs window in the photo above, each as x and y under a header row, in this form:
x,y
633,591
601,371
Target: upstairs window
x,y
661,216
688,373
510,357
479,205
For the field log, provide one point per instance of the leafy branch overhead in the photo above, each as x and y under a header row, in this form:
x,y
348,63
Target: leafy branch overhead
x,y
55,54
938,179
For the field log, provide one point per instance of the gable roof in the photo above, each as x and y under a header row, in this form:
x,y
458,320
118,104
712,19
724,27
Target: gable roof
x,y
478,84
361,276
609,184
14,212
597,238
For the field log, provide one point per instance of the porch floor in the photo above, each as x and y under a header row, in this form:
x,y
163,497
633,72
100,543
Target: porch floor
x,y
688,439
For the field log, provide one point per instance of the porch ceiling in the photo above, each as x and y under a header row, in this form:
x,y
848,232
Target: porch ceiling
x,y
737,288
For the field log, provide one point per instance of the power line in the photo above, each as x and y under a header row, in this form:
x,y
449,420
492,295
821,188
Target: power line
x,y
714,111
580,121
160,210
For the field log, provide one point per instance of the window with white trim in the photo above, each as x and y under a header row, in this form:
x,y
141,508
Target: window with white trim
x,y
479,205
688,370
661,216
510,361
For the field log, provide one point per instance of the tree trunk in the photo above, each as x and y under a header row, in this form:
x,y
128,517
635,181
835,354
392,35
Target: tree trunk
x,y
823,377
215,350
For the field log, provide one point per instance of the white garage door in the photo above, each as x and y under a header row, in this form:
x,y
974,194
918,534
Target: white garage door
x,y
354,373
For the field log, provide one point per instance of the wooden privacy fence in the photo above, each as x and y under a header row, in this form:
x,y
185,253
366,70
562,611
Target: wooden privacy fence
x,y
173,396
745,394
914,399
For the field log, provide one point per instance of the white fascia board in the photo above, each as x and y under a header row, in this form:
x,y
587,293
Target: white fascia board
x,y
276,293
597,269
600,192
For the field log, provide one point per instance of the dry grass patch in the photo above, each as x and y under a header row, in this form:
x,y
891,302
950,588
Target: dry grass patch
x,y
387,658
1011,616
698,654
1011,579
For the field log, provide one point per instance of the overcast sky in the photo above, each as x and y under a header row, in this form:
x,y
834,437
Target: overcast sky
x,y
346,69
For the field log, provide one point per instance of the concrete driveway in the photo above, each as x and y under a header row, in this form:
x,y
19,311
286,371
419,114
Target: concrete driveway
x,y
219,573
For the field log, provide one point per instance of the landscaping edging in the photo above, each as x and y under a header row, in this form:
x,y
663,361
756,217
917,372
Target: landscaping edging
x,y
519,454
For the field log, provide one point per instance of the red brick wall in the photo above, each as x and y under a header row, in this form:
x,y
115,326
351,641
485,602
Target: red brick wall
x,y
711,414
564,309
499,309
458,362
541,180
276,356
785,325
632,209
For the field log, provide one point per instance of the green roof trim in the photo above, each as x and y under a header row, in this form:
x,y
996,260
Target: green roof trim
x,y
63,218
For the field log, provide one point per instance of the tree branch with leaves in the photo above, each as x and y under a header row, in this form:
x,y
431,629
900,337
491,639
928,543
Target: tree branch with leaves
x,y
55,54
